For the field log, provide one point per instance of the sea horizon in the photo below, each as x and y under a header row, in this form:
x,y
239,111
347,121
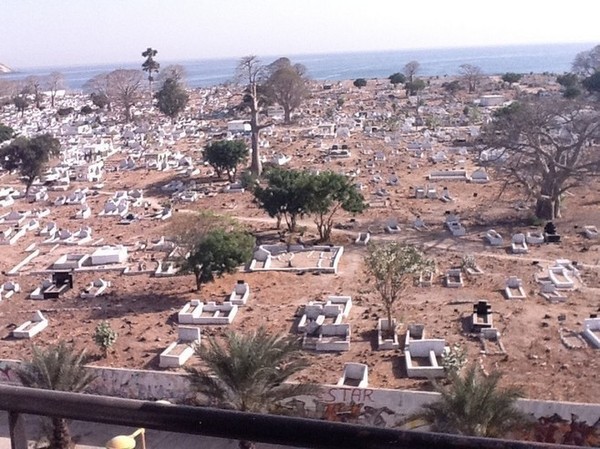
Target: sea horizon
x,y
493,60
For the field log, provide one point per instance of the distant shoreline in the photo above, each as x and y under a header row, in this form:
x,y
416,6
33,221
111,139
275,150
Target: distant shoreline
x,y
550,58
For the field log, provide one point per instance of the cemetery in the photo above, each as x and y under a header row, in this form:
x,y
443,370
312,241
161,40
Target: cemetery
x,y
93,241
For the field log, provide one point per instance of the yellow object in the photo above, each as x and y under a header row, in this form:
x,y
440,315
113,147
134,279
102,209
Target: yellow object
x,y
126,441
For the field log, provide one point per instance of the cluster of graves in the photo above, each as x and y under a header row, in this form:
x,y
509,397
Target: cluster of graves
x,y
196,314
351,140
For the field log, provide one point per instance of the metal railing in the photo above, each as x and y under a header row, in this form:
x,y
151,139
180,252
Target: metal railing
x,y
274,429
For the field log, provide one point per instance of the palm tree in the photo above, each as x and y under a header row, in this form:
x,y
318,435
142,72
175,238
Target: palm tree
x,y
150,65
474,404
247,372
57,368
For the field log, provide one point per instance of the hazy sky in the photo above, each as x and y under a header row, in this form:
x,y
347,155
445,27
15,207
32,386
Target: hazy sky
x,y
40,33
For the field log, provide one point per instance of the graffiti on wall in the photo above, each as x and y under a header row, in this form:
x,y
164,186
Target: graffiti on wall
x,y
556,430
146,385
8,372
375,407
348,405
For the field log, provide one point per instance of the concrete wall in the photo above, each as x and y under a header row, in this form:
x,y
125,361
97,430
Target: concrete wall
x,y
379,407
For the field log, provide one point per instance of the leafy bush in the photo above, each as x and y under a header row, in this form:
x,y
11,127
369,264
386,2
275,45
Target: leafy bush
x,y
105,336
65,111
360,82
454,360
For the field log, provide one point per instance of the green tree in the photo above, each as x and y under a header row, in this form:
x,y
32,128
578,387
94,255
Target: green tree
x,y
474,404
592,83
58,368
511,78
286,195
100,100
572,92
330,192
567,80
248,372
414,87
150,66
29,156
105,337
187,230
287,85
219,252
397,78
20,103
360,82
99,88
63,112
570,83
587,62
172,98
173,71
225,156
6,133
451,87
393,266
545,146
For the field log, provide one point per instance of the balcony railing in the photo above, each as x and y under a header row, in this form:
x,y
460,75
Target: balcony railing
x,y
283,430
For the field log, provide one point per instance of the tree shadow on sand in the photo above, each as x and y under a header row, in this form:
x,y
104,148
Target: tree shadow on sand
x,y
130,305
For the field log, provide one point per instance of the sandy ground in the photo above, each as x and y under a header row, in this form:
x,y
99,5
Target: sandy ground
x,y
143,309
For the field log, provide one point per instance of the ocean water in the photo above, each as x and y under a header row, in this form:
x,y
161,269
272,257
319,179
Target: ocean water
x,y
551,58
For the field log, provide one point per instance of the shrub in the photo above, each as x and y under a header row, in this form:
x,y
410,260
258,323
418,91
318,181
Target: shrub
x,y
105,336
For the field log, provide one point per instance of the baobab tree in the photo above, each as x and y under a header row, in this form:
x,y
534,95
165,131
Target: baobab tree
x,y
547,146
251,72
287,85
124,89
471,74
33,86
411,69
54,83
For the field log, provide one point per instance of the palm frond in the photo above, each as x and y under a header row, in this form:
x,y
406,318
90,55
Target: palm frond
x,y
474,404
248,372
58,367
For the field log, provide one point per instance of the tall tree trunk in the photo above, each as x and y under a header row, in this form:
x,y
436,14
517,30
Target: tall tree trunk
x,y
545,208
391,330
61,438
557,204
197,274
287,115
28,187
256,165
